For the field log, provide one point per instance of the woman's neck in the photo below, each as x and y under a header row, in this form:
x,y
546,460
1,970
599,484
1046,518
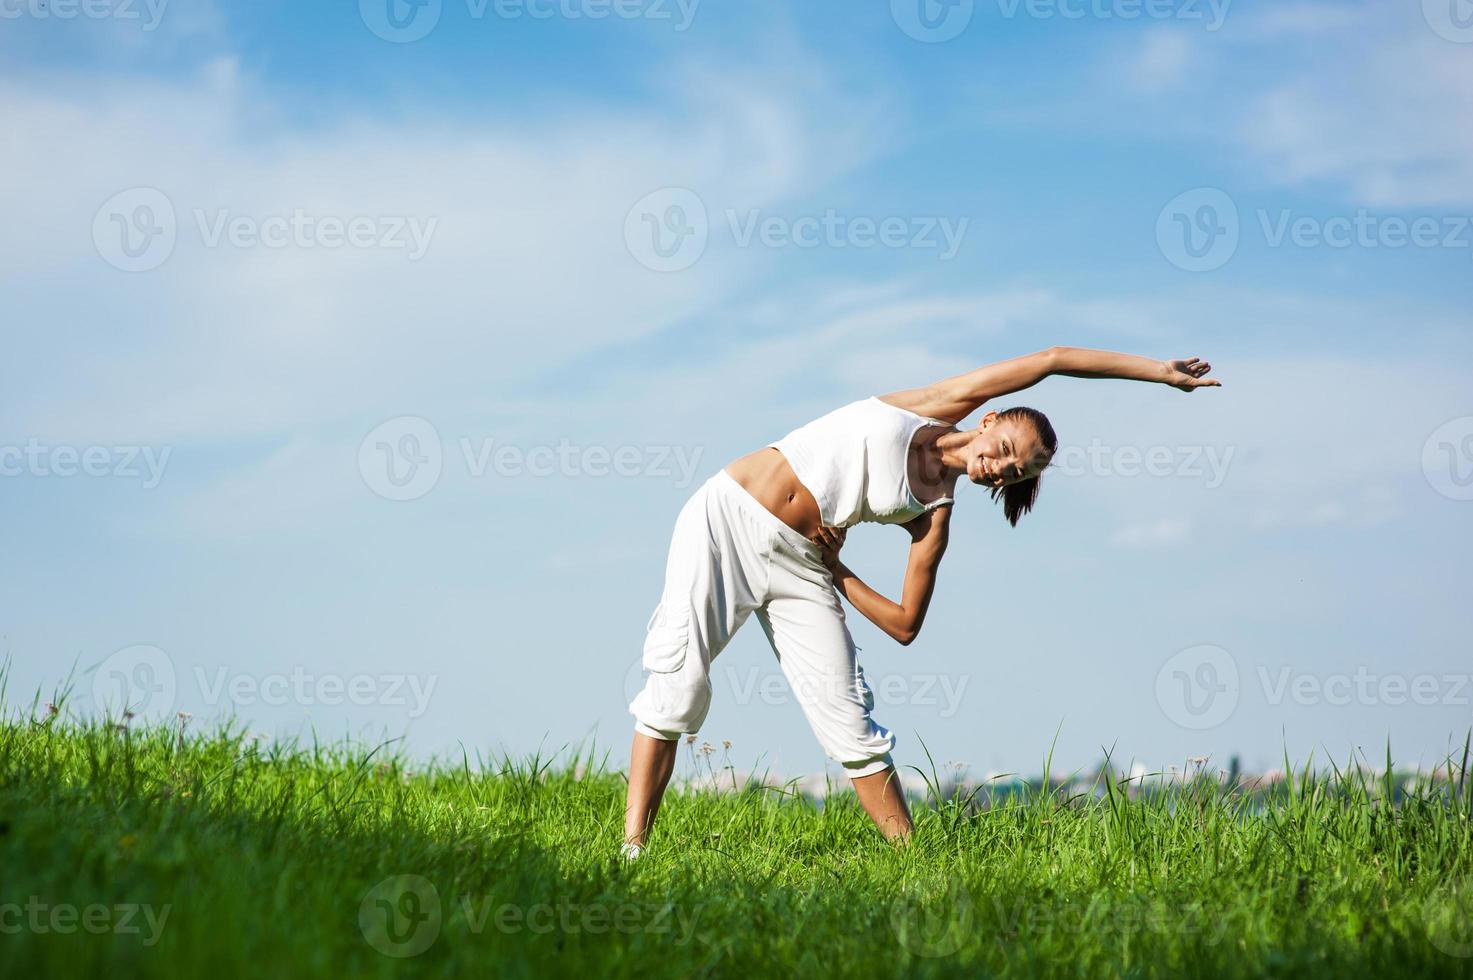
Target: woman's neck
x,y
949,446
937,467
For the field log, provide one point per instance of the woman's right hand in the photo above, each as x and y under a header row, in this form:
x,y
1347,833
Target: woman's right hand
x,y
830,540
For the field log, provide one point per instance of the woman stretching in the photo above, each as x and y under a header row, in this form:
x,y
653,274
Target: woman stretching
x,y
763,536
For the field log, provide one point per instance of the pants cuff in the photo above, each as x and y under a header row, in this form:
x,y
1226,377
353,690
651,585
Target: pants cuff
x,y
644,729
854,770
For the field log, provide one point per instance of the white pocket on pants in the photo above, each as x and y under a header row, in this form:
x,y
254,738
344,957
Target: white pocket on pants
x,y
866,696
667,637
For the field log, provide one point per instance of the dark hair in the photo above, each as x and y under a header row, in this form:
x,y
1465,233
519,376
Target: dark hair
x,y
1018,498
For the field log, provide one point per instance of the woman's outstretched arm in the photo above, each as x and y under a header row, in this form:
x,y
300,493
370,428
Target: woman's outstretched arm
x,y
953,399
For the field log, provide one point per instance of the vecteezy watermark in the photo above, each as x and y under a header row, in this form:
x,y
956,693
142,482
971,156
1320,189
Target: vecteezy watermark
x,y
142,681
400,21
300,686
406,21
39,916
942,919
147,12
137,680
1197,688
1451,20
38,459
751,684
302,230
1447,458
401,916
934,21
1209,463
668,230
935,919
1364,687
137,230
1449,921
403,458
1200,230
1364,230
562,915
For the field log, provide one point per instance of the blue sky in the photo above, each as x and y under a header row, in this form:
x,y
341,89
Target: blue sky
x,y
1304,528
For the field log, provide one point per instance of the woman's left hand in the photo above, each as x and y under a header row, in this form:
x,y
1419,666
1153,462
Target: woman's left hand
x,y
830,540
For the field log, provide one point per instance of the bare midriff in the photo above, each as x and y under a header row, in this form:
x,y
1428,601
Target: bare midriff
x,y
767,476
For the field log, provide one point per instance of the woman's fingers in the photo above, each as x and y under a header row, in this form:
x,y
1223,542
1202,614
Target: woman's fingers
x,y
831,538
1196,371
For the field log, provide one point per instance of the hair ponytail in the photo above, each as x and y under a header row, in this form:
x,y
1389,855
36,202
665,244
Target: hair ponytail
x,y
1017,498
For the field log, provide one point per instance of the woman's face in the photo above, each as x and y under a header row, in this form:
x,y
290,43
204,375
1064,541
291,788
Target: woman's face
x,y
1004,451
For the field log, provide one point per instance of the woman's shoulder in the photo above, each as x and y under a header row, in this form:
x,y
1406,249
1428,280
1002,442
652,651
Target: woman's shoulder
x,y
911,403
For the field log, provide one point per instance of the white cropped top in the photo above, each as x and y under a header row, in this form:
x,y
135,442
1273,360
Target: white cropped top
x,y
854,462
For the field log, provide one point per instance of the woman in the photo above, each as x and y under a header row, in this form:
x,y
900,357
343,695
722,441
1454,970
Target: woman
x,y
763,535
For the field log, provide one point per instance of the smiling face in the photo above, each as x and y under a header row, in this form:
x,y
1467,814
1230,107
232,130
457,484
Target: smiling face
x,y
1004,451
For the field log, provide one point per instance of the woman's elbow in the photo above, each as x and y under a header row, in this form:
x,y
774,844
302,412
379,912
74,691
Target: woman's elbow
x,y
906,635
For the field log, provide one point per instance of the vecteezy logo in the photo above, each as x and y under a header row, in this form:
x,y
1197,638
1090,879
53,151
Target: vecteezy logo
x,y
1449,921
400,21
935,921
932,21
1198,230
401,459
135,230
667,230
1447,459
139,680
657,649
400,916
1198,687
634,679
1452,20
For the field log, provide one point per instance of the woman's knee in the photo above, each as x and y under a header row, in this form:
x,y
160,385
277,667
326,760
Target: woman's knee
x,y
669,705
853,739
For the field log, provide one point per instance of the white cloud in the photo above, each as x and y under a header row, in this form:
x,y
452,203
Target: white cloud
x,y
1392,122
527,266
1289,440
1293,21
1162,533
1372,506
124,32
1162,62
1365,101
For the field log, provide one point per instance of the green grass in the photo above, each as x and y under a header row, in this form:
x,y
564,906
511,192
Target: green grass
x,y
241,859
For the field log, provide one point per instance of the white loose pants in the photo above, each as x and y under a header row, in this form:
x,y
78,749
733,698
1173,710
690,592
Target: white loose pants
x,y
729,557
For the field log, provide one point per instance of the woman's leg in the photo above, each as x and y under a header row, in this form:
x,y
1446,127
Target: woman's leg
x,y
651,761
808,633
881,796
709,591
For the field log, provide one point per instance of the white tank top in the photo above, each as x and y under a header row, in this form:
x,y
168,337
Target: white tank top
x,y
853,461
